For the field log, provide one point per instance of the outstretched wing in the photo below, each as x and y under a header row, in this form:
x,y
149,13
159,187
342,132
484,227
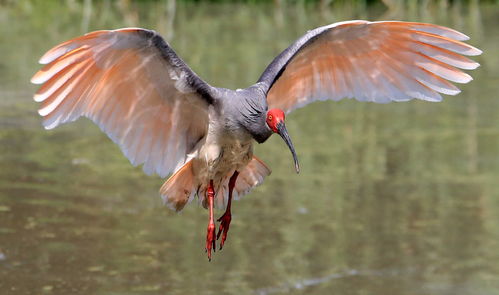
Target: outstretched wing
x,y
369,61
134,86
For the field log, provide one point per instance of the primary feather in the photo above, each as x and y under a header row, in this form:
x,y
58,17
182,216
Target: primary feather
x,y
134,86
369,61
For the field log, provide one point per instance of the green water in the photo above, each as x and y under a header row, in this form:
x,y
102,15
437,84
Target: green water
x,y
392,199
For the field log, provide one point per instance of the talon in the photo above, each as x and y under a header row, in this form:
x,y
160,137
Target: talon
x,y
224,227
220,228
210,240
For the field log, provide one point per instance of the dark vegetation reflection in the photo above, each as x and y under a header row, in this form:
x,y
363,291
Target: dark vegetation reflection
x,y
392,199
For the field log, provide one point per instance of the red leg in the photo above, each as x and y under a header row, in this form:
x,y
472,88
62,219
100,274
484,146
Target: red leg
x,y
226,218
210,232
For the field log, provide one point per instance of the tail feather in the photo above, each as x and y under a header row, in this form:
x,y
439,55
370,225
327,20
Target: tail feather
x,y
180,188
249,177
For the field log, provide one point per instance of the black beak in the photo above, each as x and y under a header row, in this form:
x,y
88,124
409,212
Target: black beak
x,y
281,129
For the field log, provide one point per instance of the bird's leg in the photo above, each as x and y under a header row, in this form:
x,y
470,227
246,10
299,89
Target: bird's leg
x,y
210,233
225,219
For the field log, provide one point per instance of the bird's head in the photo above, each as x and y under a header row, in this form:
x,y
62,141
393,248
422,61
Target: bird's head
x,y
275,121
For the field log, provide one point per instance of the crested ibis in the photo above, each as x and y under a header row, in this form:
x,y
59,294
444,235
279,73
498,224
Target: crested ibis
x,y
134,86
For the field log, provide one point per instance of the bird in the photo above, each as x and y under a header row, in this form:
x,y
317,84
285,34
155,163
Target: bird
x,y
135,87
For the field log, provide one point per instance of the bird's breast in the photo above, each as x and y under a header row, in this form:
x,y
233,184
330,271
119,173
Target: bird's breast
x,y
219,158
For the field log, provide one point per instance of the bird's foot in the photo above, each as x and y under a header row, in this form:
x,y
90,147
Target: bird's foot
x,y
224,227
210,239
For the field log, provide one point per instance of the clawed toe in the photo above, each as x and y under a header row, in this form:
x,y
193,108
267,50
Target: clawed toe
x,y
224,227
210,240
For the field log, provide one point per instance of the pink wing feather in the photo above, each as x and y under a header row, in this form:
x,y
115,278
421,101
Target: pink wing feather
x,y
374,61
123,82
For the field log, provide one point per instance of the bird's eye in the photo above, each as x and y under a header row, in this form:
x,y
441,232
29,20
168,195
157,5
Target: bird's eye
x,y
270,117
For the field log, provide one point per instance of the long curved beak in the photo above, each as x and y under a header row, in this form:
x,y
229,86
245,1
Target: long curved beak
x,y
281,129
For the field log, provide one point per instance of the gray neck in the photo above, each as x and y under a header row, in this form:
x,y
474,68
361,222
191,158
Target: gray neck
x,y
247,108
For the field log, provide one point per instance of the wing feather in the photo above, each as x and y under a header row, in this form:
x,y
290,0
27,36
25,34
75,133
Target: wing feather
x,y
369,61
134,87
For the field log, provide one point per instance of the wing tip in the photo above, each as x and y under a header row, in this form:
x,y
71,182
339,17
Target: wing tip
x,y
439,30
453,92
39,77
43,60
53,54
470,50
43,112
49,125
462,36
38,98
35,80
472,66
466,78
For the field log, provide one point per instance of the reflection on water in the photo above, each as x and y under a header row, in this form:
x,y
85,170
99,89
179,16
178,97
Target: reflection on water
x,y
392,199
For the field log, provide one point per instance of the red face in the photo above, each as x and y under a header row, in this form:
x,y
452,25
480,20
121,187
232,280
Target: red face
x,y
274,116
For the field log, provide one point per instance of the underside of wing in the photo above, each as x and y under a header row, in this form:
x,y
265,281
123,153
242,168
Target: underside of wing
x,y
134,87
371,61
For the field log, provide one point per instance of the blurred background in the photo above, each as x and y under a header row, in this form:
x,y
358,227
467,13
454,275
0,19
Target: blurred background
x,y
392,199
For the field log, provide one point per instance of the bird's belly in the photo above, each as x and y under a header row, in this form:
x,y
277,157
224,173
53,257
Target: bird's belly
x,y
217,161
